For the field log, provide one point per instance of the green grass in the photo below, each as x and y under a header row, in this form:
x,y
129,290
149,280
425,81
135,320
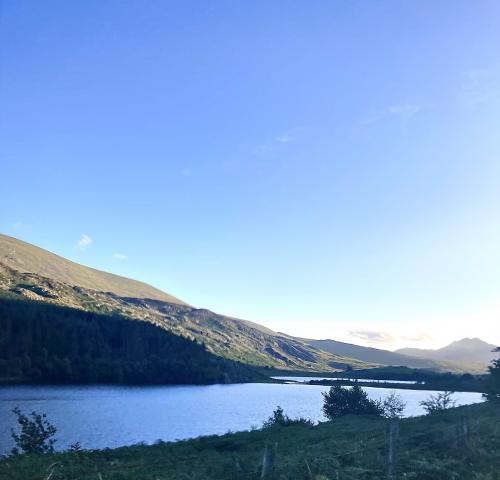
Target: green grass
x,y
429,448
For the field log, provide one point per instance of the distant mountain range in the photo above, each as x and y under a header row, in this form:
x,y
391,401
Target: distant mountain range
x,y
467,355
27,271
377,355
469,350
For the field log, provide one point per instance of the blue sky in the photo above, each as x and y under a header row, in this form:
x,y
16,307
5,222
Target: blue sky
x,y
327,168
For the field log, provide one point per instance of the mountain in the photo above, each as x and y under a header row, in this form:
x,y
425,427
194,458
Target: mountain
x,y
26,258
47,343
29,272
369,354
386,357
467,350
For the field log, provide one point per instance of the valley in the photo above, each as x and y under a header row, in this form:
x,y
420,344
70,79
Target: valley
x,y
249,240
24,275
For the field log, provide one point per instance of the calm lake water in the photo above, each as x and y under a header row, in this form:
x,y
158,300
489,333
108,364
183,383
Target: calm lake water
x,y
111,416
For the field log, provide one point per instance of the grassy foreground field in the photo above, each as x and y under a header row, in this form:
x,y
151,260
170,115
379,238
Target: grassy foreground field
x,y
459,444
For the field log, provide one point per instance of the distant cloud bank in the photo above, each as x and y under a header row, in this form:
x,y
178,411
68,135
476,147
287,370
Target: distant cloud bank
x,y
372,336
383,338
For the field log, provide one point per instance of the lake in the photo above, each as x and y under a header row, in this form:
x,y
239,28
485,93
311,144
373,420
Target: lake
x,y
113,416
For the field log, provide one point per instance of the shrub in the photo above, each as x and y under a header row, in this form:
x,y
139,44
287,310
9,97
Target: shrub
x,y
279,418
36,435
339,401
76,447
438,403
393,406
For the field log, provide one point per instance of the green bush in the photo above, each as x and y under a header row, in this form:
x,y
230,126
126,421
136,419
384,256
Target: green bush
x,y
279,418
36,435
393,406
339,401
438,403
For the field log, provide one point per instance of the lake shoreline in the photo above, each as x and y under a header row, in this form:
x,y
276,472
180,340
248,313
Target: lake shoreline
x,y
386,383
110,416
303,451
399,386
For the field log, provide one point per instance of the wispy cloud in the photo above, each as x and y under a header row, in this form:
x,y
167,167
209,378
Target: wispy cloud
x,y
186,172
286,138
407,111
269,147
403,112
263,150
84,242
383,338
479,86
119,256
424,337
372,336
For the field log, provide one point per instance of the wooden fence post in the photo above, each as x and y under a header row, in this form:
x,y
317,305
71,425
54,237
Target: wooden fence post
x,y
465,432
391,451
465,427
268,461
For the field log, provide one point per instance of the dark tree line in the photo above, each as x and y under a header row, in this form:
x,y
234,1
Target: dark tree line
x,y
493,385
46,343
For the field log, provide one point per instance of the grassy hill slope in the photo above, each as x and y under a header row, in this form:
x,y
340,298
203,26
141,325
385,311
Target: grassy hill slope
x,y
223,336
27,258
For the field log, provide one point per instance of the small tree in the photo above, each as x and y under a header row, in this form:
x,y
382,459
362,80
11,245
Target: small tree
x,y
438,403
393,406
279,418
77,447
493,381
36,435
339,401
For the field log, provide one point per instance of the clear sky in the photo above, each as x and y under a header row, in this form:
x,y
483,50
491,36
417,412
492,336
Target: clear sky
x,y
326,168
